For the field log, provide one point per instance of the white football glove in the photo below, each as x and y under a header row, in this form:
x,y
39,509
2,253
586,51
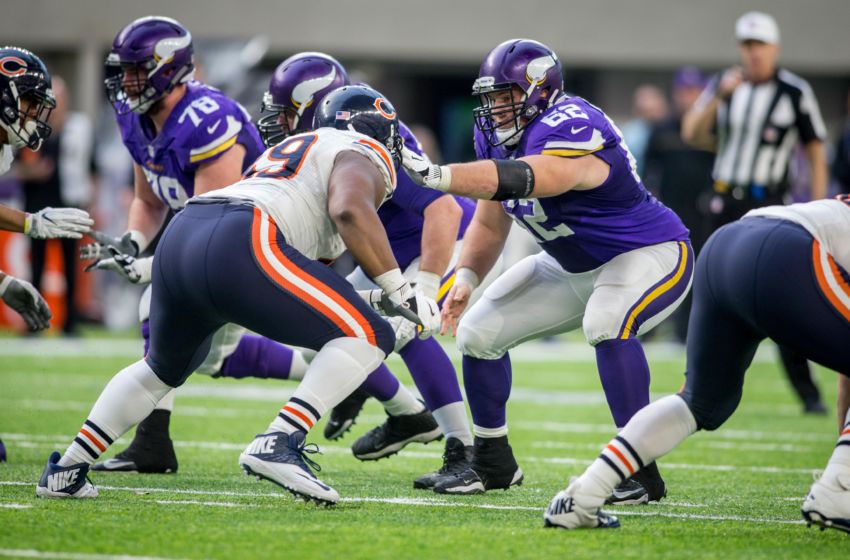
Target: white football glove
x,y
128,245
405,331
137,271
424,173
397,298
48,223
21,296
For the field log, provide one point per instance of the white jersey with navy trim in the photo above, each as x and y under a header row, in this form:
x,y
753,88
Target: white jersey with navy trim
x,y
290,183
827,220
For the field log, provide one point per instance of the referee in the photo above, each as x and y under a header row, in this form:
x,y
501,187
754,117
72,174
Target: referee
x,y
753,116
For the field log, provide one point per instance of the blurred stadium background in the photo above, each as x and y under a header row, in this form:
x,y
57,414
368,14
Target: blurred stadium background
x,y
423,55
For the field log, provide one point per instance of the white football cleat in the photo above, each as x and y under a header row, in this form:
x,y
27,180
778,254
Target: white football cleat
x,y
828,503
565,513
281,458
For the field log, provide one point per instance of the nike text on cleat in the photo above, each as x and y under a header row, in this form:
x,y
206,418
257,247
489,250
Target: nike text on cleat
x,y
282,459
643,487
456,459
828,504
64,482
492,467
344,414
391,436
566,513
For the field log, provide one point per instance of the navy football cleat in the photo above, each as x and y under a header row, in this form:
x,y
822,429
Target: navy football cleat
x,y
564,512
64,482
282,459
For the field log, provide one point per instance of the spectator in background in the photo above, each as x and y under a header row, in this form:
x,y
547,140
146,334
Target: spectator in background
x,y
753,115
841,164
679,174
649,106
57,175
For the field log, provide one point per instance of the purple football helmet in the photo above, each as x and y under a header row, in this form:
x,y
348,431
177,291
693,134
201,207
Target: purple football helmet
x,y
530,67
297,87
149,58
25,98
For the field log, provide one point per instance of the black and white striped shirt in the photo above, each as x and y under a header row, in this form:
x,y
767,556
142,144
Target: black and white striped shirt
x,y
757,129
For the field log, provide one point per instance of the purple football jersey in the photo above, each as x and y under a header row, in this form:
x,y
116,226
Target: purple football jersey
x,y
403,214
202,126
585,229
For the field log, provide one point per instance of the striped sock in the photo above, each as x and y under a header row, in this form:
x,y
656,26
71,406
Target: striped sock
x,y
90,443
296,415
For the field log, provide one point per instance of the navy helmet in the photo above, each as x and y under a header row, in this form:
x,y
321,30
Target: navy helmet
x,y
364,110
25,98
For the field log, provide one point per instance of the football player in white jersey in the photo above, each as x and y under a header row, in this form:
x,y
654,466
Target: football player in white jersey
x,y
25,104
247,254
780,273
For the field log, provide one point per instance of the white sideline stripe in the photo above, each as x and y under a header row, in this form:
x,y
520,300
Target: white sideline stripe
x,y
344,450
432,502
32,553
15,506
199,503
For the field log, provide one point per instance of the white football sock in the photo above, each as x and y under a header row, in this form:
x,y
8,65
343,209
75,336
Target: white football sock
x,y
128,398
490,432
403,403
167,402
839,462
453,421
337,370
652,432
299,366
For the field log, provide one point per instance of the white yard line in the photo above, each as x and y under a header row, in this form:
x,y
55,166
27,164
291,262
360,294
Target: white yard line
x,y
430,502
199,503
698,442
32,553
25,440
16,506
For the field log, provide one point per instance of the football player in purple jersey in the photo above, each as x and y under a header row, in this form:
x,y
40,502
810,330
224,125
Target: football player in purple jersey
x,y
186,138
424,228
615,261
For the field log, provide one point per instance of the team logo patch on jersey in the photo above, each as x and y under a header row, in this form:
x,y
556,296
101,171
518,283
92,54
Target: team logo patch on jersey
x,y
12,66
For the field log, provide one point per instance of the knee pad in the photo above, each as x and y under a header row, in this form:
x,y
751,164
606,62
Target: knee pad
x,y
475,342
356,351
599,325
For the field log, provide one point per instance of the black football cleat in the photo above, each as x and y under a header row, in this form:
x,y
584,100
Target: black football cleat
x,y
643,487
151,450
390,437
493,467
456,459
344,414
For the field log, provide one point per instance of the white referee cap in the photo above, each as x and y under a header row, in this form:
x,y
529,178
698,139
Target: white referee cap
x,y
757,26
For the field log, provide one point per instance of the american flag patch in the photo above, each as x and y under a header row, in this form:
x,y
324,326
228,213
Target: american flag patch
x,y
343,115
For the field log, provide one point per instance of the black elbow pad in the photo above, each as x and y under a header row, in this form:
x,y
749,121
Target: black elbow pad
x,y
516,179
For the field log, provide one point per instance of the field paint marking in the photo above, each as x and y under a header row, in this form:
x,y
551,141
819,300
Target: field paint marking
x,y
436,502
343,450
199,503
783,447
535,351
15,506
32,553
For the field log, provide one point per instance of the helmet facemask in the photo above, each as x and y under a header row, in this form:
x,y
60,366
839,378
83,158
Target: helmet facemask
x,y
130,85
25,115
502,123
279,122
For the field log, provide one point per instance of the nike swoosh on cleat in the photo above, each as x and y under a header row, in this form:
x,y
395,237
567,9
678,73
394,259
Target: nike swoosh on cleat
x,y
315,481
